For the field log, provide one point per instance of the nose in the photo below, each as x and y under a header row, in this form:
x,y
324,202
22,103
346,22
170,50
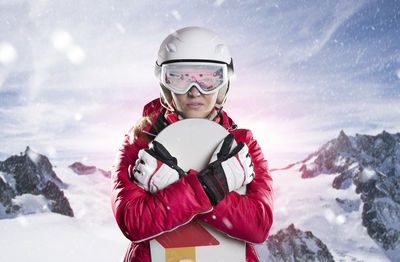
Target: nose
x,y
194,92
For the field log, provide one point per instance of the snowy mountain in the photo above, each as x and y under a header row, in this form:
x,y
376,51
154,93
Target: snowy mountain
x,y
82,169
339,204
372,164
28,185
292,244
347,194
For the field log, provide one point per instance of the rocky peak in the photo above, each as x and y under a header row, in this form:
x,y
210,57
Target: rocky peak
x,y
372,164
377,148
343,143
292,244
82,169
329,157
31,173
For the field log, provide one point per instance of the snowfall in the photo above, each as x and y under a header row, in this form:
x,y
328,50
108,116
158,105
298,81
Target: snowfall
x,y
93,235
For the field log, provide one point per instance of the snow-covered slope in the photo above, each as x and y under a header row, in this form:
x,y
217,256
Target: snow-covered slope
x,y
92,235
310,204
347,195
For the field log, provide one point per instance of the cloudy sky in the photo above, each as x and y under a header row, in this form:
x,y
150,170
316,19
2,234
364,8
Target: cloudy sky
x,y
75,75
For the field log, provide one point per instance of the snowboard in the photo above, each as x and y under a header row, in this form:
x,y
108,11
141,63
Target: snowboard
x,y
193,141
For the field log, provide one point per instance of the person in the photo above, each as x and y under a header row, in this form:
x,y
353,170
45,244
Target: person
x,y
151,194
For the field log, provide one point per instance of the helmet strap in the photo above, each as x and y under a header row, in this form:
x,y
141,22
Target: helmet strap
x,y
165,98
222,95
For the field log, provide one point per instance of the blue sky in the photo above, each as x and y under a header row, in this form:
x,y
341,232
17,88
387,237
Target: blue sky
x,y
74,75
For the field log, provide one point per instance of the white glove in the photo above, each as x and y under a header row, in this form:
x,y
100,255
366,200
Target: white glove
x,y
238,168
230,168
155,169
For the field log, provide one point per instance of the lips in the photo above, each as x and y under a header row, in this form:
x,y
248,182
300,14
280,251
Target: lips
x,y
195,105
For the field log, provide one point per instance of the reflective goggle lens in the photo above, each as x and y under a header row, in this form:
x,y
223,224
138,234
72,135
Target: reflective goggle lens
x,y
180,77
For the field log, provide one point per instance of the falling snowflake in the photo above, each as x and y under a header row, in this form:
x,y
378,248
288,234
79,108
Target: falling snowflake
x,y
177,15
8,54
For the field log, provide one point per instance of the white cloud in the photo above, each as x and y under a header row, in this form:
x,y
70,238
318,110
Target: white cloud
x,y
218,2
51,151
342,12
294,32
91,71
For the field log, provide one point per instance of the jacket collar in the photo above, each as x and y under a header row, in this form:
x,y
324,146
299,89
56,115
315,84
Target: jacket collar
x,y
161,118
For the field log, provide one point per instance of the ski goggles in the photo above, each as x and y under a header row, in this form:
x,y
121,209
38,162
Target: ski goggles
x,y
181,76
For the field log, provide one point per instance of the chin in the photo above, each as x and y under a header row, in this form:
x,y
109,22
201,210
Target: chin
x,y
195,115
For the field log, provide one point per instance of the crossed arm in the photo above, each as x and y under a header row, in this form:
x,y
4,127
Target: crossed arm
x,y
142,216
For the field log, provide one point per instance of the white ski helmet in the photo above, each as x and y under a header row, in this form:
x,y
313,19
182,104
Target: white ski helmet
x,y
193,44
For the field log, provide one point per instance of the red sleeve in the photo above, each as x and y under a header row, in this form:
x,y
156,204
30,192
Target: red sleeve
x,y
246,217
142,216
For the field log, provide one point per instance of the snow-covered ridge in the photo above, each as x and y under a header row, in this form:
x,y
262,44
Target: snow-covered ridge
x,y
352,186
372,164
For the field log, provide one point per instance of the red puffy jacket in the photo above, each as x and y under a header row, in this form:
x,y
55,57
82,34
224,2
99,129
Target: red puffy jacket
x,y
142,216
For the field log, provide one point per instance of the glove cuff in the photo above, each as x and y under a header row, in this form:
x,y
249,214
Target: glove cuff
x,y
214,183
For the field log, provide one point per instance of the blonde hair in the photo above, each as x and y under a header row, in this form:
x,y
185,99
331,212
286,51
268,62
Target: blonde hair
x,y
138,128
